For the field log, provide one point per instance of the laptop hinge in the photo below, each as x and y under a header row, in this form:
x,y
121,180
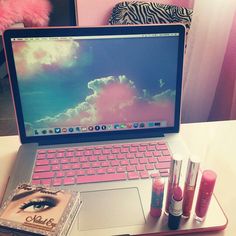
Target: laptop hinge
x,y
102,139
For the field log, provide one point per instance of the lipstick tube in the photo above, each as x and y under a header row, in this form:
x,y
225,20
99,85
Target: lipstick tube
x,y
205,193
158,186
175,210
190,185
174,177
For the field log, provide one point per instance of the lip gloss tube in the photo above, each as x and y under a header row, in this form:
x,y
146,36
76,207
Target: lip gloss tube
x,y
205,193
158,185
190,185
175,210
174,177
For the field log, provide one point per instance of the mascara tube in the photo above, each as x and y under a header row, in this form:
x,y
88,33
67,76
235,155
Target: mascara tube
x,y
174,177
190,185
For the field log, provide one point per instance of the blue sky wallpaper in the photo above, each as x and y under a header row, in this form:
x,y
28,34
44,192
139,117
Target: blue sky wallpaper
x,y
96,81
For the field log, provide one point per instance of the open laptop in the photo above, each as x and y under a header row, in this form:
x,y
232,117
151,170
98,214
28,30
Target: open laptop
x,y
88,96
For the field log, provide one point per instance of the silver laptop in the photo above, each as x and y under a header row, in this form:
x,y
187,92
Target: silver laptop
x,y
98,110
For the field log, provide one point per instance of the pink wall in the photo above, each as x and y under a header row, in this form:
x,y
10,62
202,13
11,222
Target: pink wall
x,y
221,109
97,12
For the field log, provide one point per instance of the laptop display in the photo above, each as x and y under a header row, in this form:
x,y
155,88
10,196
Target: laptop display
x,y
109,83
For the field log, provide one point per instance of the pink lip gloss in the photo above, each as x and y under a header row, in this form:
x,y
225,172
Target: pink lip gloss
x,y
205,193
158,185
190,185
174,177
175,210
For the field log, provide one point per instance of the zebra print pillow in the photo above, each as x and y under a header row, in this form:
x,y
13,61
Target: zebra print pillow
x,y
138,12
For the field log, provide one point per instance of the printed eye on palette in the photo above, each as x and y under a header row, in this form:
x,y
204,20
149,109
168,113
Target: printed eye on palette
x,y
39,210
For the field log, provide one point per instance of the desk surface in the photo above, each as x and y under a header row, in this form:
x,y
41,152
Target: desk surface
x,y
214,141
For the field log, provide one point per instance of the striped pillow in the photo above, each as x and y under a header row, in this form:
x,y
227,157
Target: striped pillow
x,y
138,12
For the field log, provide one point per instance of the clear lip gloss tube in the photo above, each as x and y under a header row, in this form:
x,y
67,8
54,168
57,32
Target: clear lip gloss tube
x,y
158,186
174,177
190,185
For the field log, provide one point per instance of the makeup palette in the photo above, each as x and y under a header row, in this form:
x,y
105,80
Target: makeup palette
x,y
39,210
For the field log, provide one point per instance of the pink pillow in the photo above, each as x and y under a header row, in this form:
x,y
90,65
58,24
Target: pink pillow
x,y
31,13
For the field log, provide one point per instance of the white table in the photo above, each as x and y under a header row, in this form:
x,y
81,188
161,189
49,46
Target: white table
x,y
215,142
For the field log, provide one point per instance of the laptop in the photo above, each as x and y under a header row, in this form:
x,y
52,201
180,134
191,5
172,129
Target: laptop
x,y
101,97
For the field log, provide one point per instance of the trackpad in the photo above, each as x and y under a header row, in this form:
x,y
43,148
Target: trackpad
x,y
110,208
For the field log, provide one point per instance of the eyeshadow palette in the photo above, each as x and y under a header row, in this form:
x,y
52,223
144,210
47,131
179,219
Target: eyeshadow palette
x,y
38,210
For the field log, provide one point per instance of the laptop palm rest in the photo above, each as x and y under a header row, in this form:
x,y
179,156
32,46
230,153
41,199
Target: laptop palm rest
x,y
110,208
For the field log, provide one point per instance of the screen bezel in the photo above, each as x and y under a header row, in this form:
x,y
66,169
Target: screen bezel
x,y
92,31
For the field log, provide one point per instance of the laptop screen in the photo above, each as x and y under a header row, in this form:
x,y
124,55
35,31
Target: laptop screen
x,y
105,83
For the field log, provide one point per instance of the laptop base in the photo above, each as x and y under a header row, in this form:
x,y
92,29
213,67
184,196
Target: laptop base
x,y
136,220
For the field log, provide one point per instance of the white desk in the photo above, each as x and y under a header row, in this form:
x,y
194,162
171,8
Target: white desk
x,y
214,141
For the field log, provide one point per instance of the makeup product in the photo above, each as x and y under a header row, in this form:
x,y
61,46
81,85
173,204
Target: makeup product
x,y
204,195
175,210
39,210
158,185
174,177
190,185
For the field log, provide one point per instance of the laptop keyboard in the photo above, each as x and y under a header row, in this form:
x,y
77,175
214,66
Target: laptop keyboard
x,y
91,164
